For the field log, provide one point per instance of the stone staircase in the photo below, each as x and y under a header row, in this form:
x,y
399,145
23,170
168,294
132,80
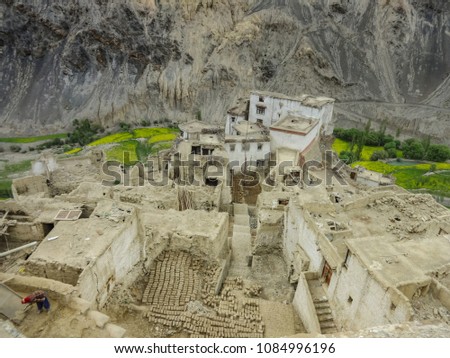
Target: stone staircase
x,y
325,316
240,242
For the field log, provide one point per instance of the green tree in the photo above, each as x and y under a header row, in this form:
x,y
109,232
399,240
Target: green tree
x,y
426,144
379,154
392,153
84,132
438,153
347,157
390,145
413,149
361,140
382,131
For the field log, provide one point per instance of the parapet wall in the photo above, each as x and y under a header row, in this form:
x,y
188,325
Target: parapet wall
x,y
304,306
440,292
31,185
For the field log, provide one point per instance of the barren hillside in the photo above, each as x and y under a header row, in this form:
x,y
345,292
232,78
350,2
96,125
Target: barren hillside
x,y
135,60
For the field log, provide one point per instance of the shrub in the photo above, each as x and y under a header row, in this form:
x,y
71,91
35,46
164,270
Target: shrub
x,y
392,153
390,145
379,154
56,142
124,126
84,132
347,156
15,148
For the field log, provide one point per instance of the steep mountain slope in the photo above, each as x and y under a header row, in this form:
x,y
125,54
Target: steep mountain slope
x,y
153,59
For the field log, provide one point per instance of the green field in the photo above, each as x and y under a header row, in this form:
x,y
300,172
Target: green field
x,y
15,168
340,145
412,176
9,169
124,152
134,146
32,139
169,137
153,135
5,189
74,151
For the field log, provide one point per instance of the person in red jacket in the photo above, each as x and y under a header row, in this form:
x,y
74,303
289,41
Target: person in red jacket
x,y
40,298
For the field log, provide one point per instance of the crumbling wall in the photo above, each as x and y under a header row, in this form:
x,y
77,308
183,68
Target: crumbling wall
x,y
31,185
269,235
360,301
413,289
126,249
70,172
440,292
304,306
90,192
99,278
300,232
53,270
26,231
63,292
172,230
360,203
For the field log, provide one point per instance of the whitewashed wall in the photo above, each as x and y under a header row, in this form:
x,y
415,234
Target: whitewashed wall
x,y
277,108
253,154
299,233
361,301
292,141
230,123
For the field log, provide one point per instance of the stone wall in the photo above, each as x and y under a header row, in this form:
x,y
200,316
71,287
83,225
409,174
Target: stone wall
x,y
304,306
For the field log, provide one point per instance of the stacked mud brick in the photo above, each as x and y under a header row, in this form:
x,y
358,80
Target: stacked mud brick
x,y
178,278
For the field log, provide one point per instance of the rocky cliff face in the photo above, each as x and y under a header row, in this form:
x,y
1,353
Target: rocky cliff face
x,y
137,60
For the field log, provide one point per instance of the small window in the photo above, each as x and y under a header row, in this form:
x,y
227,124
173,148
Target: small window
x,y
260,146
232,147
393,306
350,299
261,98
245,146
233,119
260,110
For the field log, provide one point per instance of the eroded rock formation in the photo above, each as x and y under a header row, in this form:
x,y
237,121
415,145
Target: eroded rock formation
x,y
137,60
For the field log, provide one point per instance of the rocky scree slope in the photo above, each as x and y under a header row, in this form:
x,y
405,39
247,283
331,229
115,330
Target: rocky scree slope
x,y
137,60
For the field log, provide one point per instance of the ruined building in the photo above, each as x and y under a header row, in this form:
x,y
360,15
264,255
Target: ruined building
x,y
188,248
